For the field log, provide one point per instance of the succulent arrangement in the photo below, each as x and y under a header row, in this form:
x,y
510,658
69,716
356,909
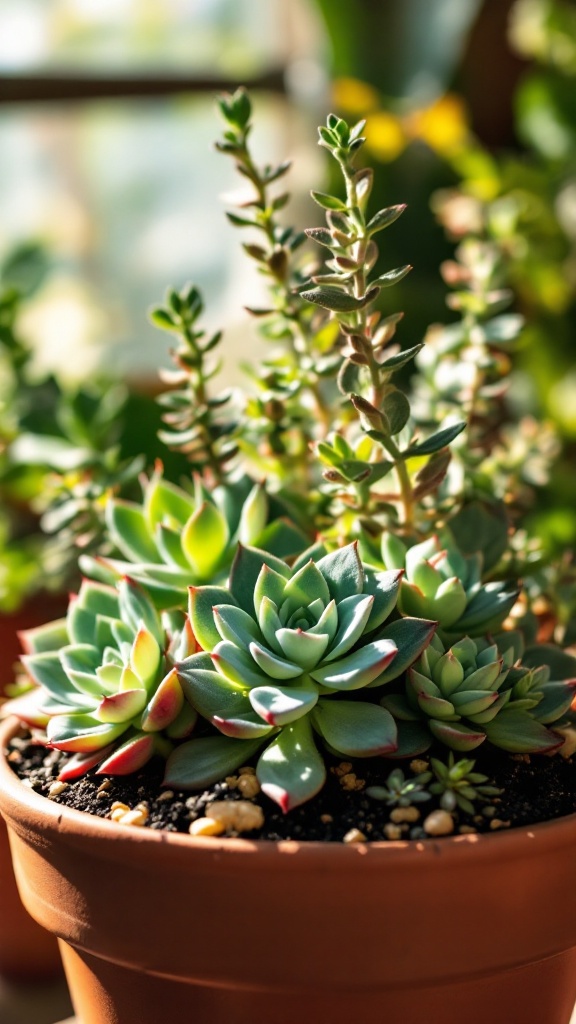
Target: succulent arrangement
x,y
337,574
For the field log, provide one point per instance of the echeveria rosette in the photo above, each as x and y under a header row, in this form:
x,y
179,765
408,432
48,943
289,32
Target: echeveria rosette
x,y
282,648
442,583
475,691
107,691
175,538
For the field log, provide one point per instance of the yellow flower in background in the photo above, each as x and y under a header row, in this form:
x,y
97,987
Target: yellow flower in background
x,y
385,136
355,97
443,126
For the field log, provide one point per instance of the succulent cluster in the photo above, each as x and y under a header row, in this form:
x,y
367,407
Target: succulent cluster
x,y
107,688
475,691
281,650
209,604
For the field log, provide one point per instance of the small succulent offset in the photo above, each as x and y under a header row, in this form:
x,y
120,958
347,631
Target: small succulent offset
x,y
400,791
441,583
458,785
282,649
474,691
107,690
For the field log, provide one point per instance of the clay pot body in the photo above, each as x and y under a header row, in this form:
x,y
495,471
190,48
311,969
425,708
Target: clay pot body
x,y
162,926
26,951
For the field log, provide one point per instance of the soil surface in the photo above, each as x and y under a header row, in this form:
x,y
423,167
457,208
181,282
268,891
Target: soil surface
x,y
534,788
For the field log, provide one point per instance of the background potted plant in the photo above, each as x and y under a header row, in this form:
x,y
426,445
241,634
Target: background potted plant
x,y
252,658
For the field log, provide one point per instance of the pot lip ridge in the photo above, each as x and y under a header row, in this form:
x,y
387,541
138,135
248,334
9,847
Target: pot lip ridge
x,y
67,820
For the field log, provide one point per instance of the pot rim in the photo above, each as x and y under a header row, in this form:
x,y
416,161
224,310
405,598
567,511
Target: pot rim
x,y
67,820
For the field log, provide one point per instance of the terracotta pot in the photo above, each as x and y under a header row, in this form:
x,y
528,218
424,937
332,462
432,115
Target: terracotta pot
x,y
26,951
162,926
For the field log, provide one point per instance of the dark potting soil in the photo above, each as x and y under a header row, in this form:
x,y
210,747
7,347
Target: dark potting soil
x,y
534,789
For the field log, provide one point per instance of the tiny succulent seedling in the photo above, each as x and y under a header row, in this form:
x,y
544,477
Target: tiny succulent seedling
x,y
282,649
400,791
458,785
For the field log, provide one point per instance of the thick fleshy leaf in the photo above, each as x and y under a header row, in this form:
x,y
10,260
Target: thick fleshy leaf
x,y
200,604
129,757
82,733
81,624
518,732
235,625
302,646
562,665
272,665
269,622
169,544
121,707
204,540
411,637
384,587
129,530
489,607
46,670
401,708
353,614
208,691
237,665
306,586
282,538
436,707
245,571
165,705
79,764
183,724
28,707
343,572
355,728
109,677
290,770
201,762
473,702
136,609
145,656
455,735
413,739
279,705
50,637
357,669
80,662
253,516
165,502
436,441
556,700
242,727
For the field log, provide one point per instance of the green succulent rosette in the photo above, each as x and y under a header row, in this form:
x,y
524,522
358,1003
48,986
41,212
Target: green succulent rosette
x,y
475,691
283,648
175,538
441,583
106,688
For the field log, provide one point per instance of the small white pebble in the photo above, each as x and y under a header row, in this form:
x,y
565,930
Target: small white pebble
x,y
56,788
497,823
247,770
206,827
136,817
119,806
236,815
568,748
104,786
166,795
439,823
354,836
400,814
326,819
